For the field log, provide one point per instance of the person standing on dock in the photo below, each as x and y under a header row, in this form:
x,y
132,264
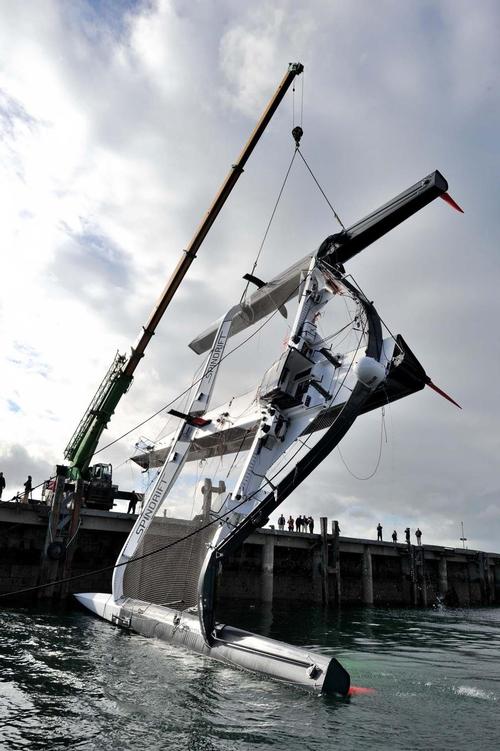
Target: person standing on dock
x,y
379,532
418,535
27,490
298,524
310,523
290,523
281,523
2,484
407,535
132,503
394,537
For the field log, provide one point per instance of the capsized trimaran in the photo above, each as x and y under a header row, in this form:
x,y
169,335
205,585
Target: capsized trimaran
x,y
164,584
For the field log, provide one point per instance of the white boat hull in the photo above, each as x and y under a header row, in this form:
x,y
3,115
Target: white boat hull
x,y
310,670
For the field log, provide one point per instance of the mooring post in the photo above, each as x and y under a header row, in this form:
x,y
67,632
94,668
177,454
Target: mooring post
x,y
71,536
496,582
207,491
491,582
207,498
413,574
443,576
482,563
336,560
423,577
468,566
324,559
267,589
52,552
367,575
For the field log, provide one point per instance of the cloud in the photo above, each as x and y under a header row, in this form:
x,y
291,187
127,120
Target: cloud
x,y
16,464
118,128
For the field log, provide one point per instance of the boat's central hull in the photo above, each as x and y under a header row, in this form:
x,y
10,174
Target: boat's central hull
x,y
309,670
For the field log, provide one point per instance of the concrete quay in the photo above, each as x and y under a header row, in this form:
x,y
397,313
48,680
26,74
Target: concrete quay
x,y
270,565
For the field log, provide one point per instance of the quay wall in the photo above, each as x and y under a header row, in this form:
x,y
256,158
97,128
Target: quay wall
x,y
271,565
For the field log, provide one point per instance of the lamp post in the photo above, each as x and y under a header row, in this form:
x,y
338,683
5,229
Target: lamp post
x,y
463,538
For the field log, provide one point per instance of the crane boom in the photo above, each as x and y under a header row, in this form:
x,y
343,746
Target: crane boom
x,y
83,444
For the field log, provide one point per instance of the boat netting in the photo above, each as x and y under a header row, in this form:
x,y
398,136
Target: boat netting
x,y
174,545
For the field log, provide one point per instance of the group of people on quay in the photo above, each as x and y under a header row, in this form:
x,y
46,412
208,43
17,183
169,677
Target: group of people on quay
x,y
301,524
306,524
418,535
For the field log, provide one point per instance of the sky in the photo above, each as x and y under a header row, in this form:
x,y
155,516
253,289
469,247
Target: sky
x,y
119,122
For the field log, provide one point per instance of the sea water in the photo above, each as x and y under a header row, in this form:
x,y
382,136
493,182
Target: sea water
x,y
71,681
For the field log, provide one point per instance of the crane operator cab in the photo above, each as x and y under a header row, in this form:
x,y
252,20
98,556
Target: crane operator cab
x,y
98,491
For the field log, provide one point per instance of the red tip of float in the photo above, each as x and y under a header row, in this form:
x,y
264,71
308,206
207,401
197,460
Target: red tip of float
x,y
442,393
446,197
360,691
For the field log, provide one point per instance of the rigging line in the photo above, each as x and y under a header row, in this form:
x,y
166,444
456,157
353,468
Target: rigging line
x,y
195,489
121,465
269,223
374,472
351,316
361,337
130,560
77,530
303,444
392,444
186,390
336,333
247,431
195,383
321,190
348,328
381,319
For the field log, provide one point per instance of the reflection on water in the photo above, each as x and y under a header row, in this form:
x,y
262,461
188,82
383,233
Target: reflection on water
x,y
71,681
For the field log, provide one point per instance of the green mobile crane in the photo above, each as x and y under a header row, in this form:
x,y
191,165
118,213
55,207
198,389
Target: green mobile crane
x,y
98,488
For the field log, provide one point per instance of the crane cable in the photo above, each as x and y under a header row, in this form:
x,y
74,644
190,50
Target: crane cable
x,y
297,133
273,213
339,220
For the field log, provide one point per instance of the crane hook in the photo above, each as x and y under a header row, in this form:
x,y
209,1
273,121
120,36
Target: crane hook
x,y
297,133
